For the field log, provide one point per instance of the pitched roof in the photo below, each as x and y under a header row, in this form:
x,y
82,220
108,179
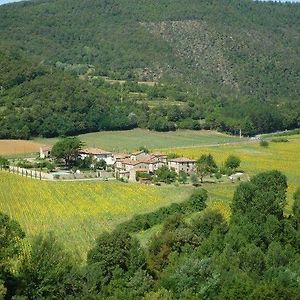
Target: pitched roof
x,y
121,155
158,154
149,160
94,151
131,162
182,160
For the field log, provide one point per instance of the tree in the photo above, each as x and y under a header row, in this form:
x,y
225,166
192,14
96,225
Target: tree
x,y
264,195
85,163
257,212
10,247
198,199
270,194
101,164
115,253
296,207
161,294
194,179
194,276
48,271
172,155
166,175
182,177
205,165
252,259
232,162
204,224
67,149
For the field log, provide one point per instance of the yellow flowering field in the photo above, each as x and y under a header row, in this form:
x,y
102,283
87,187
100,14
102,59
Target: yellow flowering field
x,y
78,211
284,157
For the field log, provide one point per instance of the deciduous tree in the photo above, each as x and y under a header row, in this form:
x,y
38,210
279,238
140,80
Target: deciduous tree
x,y
67,149
205,165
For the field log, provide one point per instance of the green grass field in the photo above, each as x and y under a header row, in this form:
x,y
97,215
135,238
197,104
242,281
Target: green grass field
x,y
132,139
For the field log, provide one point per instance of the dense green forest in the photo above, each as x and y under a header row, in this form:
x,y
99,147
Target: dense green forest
x,y
217,64
255,255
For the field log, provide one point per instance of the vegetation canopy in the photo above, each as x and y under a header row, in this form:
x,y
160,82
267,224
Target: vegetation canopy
x,y
71,67
67,149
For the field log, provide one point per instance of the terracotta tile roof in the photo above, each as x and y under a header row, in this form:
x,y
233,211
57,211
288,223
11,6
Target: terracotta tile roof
x,y
149,160
158,154
94,151
121,156
131,162
182,160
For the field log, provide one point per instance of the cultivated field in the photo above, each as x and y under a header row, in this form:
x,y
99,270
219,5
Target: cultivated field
x,y
132,139
78,211
17,147
284,157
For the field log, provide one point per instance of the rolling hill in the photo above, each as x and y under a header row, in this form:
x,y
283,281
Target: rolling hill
x,y
221,58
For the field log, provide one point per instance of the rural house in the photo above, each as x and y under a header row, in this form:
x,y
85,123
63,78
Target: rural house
x,y
163,158
45,151
98,154
138,155
137,162
182,164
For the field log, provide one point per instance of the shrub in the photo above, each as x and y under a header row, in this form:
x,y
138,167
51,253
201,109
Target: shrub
x,y
232,162
144,149
196,202
194,179
166,175
4,163
264,143
218,175
25,164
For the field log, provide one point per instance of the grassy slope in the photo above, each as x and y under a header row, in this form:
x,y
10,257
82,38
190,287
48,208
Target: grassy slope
x,y
133,139
78,212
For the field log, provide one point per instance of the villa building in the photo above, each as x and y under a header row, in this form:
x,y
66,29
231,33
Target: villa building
x,y
182,164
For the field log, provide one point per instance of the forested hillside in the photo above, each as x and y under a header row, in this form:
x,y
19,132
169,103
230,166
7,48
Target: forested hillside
x,y
214,63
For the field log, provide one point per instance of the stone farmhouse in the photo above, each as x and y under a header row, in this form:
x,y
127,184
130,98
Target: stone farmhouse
x,y
142,162
126,166
182,164
98,154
